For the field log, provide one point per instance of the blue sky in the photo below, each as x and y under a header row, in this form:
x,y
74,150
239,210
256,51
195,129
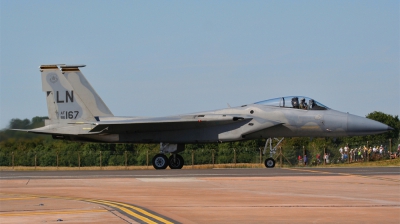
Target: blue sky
x,y
156,58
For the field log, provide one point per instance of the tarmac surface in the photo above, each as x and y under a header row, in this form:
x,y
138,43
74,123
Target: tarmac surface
x,y
304,195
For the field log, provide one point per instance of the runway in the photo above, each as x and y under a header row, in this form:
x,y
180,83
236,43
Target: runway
x,y
306,195
367,171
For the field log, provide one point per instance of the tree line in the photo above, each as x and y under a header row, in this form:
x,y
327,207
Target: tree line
x,y
27,149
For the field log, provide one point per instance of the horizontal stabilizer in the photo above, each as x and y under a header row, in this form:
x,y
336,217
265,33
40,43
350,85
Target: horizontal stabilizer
x,y
33,131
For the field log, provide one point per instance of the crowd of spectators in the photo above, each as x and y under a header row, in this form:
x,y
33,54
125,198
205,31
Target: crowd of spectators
x,y
356,154
305,160
363,153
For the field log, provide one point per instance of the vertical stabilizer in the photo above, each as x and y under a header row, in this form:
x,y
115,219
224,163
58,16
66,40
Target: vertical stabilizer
x,y
63,102
86,92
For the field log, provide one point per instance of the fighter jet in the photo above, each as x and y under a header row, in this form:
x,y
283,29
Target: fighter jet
x,y
77,113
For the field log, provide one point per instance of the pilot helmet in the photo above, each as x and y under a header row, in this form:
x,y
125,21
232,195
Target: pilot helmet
x,y
302,99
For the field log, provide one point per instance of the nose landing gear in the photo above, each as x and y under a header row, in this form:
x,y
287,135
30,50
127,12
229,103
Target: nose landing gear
x,y
270,162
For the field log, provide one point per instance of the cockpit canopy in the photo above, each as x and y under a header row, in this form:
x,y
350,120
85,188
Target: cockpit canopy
x,y
296,102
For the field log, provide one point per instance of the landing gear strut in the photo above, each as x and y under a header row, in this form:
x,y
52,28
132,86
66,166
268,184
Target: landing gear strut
x,y
270,162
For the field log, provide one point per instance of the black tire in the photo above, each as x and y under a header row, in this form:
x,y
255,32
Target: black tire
x,y
160,162
269,163
176,163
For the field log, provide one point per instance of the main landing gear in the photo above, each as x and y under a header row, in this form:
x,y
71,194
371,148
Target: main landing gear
x,y
160,161
175,161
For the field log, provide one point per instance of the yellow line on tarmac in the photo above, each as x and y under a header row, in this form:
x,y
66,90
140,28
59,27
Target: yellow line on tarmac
x,y
346,174
5,199
311,171
123,209
114,205
140,210
51,212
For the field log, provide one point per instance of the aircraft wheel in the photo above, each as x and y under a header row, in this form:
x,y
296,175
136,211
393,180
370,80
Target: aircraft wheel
x,y
269,163
160,161
177,162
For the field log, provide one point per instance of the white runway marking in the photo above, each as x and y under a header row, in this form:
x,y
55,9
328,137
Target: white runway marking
x,y
170,179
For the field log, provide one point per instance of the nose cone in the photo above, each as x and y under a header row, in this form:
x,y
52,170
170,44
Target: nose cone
x,y
363,126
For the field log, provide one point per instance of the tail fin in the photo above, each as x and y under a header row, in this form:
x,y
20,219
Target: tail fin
x,y
72,99
86,92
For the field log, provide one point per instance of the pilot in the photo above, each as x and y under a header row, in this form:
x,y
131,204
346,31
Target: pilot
x,y
295,102
311,104
303,104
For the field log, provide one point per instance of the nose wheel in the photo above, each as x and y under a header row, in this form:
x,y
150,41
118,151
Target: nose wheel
x,y
269,163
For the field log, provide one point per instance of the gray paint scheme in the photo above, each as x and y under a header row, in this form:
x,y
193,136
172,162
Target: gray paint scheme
x,y
246,122
87,93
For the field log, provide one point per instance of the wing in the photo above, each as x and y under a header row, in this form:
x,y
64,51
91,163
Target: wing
x,y
165,123
158,124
